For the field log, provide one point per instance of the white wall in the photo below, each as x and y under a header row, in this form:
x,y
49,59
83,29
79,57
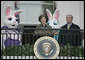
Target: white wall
x,y
31,12
4,4
76,8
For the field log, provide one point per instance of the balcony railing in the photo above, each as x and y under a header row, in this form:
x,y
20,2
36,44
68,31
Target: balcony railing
x,y
70,41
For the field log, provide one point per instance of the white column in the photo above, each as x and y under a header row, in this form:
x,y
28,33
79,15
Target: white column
x,y
82,14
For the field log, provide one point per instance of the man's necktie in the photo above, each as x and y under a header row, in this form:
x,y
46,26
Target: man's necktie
x,y
68,26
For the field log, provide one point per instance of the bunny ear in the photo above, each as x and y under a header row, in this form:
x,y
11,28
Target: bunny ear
x,y
17,12
56,14
49,14
8,11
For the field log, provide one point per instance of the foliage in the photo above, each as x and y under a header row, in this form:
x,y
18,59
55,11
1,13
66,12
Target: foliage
x,y
25,51
71,51
18,50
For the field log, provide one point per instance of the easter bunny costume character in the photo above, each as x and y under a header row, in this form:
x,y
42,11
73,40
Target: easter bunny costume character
x,y
11,37
53,21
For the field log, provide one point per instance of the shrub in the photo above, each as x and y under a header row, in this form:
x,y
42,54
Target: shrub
x,y
18,50
71,51
25,51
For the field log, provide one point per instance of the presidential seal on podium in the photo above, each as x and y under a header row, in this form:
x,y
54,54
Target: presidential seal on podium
x,y
46,48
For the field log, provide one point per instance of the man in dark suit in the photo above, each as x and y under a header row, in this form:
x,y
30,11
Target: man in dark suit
x,y
70,33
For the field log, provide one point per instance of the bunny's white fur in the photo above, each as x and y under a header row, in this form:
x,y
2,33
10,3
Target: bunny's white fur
x,y
11,14
53,19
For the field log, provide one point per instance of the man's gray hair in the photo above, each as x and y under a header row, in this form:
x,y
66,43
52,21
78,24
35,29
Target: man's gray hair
x,y
70,15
